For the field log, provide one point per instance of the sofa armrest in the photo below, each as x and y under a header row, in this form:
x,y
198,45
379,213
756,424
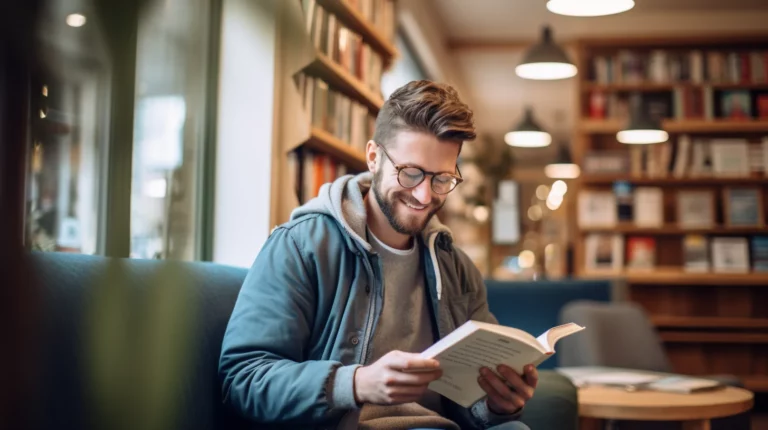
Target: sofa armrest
x,y
554,405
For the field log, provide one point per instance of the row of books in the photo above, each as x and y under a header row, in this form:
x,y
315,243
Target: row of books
x,y
607,252
644,207
336,113
311,170
379,12
683,157
684,102
672,66
343,46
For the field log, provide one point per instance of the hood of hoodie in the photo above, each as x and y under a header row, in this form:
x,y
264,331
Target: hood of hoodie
x,y
343,199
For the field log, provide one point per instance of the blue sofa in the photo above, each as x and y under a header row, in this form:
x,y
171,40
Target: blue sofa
x,y
136,343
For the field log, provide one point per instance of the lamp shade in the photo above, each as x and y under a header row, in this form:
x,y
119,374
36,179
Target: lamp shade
x,y
546,61
563,167
589,7
641,129
527,133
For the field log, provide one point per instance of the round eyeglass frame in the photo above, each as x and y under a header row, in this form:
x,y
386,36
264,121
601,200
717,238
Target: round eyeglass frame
x,y
456,178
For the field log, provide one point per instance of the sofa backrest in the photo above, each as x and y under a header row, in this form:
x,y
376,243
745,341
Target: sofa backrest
x,y
136,339
534,306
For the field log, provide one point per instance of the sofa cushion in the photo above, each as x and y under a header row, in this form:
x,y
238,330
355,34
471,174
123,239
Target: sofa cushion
x,y
170,317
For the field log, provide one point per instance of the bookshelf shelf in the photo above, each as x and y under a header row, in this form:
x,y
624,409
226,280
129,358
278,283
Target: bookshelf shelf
x,y
698,337
672,276
335,75
653,87
673,181
755,383
322,141
673,230
708,322
591,126
355,20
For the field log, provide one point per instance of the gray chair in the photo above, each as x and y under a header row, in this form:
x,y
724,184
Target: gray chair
x,y
620,334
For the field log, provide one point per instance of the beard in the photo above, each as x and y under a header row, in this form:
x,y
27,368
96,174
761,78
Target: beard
x,y
410,225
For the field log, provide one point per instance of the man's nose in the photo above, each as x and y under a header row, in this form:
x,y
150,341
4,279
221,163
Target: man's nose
x,y
423,192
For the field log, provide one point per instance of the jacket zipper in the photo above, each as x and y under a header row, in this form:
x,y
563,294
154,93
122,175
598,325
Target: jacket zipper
x,y
371,302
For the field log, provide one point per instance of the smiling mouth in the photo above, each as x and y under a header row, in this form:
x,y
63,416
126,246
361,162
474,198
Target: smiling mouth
x,y
414,207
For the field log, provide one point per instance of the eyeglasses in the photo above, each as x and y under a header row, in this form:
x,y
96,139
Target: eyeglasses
x,y
411,177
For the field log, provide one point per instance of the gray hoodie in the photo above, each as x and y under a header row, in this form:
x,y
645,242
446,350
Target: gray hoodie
x,y
305,315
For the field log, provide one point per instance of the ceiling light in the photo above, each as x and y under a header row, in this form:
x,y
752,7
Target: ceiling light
x,y
76,20
589,7
642,129
546,61
528,134
563,167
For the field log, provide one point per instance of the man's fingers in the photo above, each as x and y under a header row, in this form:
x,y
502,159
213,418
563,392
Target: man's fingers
x,y
413,378
498,385
495,398
412,362
521,387
531,375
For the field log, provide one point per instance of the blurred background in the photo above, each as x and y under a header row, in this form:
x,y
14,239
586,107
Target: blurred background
x,y
617,141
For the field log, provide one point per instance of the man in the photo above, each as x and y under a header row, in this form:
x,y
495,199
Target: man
x,y
331,317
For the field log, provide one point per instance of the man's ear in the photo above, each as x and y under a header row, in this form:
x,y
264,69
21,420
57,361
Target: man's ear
x,y
371,155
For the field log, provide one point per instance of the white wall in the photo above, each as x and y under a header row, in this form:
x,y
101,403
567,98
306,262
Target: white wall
x,y
244,130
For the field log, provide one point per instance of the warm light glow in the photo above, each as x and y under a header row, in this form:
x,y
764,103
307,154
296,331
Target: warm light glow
x,y
535,213
559,188
76,20
589,7
42,114
526,259
155,188
527,139
642,137
562,171
542,191
481,213
45,90
546,71
554,201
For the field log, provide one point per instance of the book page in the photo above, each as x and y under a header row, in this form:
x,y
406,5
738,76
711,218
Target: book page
x,y
461,363
549,338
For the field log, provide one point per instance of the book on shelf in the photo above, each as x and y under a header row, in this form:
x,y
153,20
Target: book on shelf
x,y
641,253
604,252
312,170
695,253
478,344
730,255
694,66
343,46
649,207
760,253
339,115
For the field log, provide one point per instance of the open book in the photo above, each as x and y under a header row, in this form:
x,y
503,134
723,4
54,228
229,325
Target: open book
x,y
476,344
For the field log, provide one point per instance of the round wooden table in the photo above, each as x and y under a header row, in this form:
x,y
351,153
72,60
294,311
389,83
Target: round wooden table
x,y
695,410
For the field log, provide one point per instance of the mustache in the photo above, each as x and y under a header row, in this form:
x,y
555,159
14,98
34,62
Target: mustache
x,y
412,201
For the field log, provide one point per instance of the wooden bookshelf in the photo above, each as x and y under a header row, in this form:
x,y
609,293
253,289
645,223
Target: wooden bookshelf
x,y
710,181
322,141
673,230
356,22
669,321
709,322
335,75
697,337
692,126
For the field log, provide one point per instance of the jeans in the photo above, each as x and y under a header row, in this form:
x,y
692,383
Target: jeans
x,y
512,425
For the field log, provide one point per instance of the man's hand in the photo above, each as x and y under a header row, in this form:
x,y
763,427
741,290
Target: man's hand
x,y
398,377
508,395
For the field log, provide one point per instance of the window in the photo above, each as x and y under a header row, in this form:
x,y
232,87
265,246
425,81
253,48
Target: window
x,y
169,129
406,69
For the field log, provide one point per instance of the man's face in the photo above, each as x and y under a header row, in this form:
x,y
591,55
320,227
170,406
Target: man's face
x,y
410,209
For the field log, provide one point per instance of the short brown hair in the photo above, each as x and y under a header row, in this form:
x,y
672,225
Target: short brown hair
x,y
428,107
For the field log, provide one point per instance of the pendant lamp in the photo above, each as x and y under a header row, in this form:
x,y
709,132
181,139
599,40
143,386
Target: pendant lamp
x,y
528,133
589,7
546,61
563,167
642,129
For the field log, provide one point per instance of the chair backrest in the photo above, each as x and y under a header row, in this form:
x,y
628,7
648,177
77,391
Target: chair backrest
x,y
134,315
617,334
534,306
